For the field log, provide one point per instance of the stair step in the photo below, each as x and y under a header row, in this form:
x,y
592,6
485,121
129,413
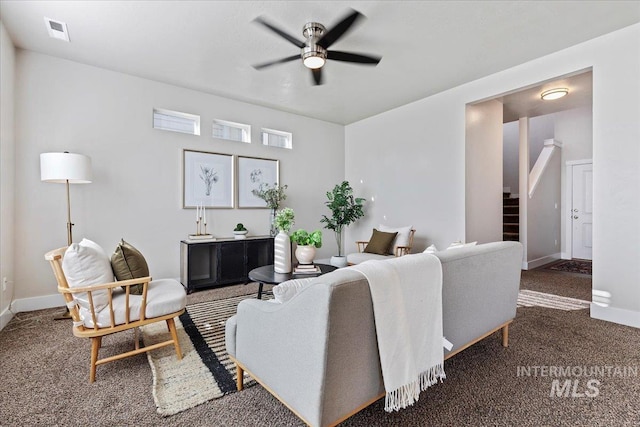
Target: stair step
x,y
510,202
510,237
511,228
511,210
511,218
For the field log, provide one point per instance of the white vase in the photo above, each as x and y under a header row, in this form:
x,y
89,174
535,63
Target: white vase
x,y
282,253
339,261
305,254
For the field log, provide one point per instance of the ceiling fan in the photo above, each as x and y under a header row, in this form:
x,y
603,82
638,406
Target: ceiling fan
x,y
314,50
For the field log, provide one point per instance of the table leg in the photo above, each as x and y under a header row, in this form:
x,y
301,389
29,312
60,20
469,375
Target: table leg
x,y
260,290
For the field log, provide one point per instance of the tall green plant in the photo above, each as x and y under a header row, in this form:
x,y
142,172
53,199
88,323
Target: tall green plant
x,y
345,209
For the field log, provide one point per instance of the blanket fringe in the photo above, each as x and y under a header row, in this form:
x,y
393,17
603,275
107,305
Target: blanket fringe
x,y
408,394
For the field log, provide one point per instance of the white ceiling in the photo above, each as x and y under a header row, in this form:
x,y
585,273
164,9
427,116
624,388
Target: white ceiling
x,y
427,47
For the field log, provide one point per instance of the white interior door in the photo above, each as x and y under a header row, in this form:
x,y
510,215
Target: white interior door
x,y
582,211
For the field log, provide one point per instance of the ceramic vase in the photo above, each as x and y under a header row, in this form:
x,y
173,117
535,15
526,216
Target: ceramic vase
x,y
305,254
282,253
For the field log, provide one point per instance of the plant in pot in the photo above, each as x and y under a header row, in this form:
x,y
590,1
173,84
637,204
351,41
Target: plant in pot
x,y
307,244
240,231
272,195
345,209
284,220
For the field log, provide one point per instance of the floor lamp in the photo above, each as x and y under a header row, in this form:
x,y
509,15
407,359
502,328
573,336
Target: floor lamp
x,y
65,168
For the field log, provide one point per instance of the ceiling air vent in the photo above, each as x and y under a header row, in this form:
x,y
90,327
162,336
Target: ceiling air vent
x,y
57,29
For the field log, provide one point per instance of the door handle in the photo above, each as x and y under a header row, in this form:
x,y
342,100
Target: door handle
x,y
575,210
575,217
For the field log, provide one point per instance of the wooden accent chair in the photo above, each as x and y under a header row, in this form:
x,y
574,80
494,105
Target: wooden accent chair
x,y
124,311
399,250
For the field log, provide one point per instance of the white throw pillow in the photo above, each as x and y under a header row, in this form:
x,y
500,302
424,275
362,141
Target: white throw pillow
x,y
456,245
287,290
431,250
402,238
86,264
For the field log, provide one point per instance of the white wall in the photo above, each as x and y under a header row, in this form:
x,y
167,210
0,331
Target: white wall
x,y
510,144
574,128
7,171
483,172
543,216
412,159
136,193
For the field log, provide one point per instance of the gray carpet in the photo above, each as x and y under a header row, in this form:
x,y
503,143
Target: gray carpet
x,y
44,376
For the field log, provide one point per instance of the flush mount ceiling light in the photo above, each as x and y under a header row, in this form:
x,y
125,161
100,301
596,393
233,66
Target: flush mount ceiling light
x,y
551,94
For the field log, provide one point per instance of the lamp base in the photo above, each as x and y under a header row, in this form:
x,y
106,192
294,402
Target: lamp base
x,y
63,316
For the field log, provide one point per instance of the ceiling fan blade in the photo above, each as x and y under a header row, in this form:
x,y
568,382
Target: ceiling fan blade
x,y
317,76
353,57
278,31
277,61
333,34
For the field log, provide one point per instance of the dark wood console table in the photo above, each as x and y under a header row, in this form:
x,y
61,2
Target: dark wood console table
x,y
211,263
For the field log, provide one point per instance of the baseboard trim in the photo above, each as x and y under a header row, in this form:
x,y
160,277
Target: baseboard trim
x,y
37,303
620,316
535,263
5,318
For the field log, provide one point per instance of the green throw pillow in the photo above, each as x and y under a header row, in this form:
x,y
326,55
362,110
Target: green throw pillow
x,y
128,263
380,242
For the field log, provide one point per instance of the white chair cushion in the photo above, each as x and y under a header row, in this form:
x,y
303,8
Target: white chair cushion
x,y
357,258
86,264
402,238
287,290
164,296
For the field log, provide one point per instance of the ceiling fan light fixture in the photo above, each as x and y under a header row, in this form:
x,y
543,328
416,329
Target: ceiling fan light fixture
x,y
552,94
313,62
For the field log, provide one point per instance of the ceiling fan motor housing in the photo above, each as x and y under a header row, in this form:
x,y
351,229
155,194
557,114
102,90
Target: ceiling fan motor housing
x,y
313,55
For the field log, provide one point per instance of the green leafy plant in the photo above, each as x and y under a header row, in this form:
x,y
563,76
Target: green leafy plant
x,y
285,218
304,238
240,227
272,195
345,209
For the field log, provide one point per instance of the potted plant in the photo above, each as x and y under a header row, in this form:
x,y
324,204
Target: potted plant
x,y
284,220
345,209
307,244
240,231
272,195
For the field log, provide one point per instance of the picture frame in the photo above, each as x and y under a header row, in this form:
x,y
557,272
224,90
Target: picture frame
x,y
208,180
253,171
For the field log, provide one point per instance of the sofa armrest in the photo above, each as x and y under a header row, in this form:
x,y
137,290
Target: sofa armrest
x,y
285,347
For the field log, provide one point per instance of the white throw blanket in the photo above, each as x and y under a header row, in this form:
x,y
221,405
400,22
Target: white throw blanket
x,y
407,308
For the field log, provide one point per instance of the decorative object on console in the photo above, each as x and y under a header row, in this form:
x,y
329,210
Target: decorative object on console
x,y
307,244
345,209
284,220
201,224
65,168
207,180
240,232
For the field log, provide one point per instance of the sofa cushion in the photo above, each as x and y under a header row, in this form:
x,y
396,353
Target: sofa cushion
x,y
458,245
128,263
402,239
380,242
287,290
86,264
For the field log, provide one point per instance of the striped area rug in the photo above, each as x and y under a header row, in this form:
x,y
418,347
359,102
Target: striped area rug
x,y
205,371
528,298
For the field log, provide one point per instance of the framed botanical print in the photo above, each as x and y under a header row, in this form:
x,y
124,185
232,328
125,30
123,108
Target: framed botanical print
x,y
208,179
252,172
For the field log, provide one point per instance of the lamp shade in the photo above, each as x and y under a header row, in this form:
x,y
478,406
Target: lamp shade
x,y
63,167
